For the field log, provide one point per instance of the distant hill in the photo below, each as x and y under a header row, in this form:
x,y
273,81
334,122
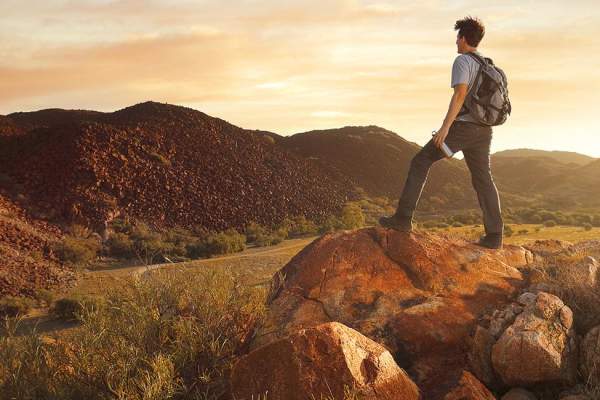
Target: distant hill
x,y
378,160
165,164
549,180
565,157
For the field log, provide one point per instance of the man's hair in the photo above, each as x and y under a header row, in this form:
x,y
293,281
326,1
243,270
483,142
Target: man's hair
x,y
471,28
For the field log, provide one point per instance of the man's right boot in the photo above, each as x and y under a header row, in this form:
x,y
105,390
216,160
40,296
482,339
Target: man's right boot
x,y
491,241
398,222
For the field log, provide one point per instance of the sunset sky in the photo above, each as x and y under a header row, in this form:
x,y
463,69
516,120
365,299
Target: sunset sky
x,y
293,66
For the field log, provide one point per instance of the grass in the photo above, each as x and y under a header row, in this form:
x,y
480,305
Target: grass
x,y
168,335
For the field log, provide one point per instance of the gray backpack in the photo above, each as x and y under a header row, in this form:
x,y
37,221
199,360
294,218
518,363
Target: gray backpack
x,y
487,100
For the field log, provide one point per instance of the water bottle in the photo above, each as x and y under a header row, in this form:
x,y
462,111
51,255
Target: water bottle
x,y
445,149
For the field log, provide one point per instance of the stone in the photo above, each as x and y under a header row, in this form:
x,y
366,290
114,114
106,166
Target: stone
x,y
321,360
539,346
469,388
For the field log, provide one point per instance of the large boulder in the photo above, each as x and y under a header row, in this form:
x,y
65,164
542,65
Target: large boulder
x,y
417,293
321,361
539,346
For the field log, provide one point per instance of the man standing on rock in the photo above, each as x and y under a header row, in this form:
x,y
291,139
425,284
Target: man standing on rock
x,y
460,132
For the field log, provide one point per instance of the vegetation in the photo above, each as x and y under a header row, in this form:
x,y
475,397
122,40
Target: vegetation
x,y
171,335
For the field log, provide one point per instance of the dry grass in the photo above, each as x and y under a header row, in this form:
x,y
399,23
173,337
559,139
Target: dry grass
x,y
170,335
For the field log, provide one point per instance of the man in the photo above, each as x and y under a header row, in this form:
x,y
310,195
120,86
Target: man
x,y
460,132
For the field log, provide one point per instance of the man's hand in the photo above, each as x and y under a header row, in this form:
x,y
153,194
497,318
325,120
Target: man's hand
x,y
456,102
440,136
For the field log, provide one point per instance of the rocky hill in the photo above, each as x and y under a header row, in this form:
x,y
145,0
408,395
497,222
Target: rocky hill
x,y
166,164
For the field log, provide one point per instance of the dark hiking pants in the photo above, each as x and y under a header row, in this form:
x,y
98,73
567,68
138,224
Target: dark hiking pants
x,y
474,141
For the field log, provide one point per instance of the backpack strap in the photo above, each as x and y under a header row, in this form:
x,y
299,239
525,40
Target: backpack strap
x,y
477,58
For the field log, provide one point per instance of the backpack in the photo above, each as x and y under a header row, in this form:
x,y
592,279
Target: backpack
x,y
487,100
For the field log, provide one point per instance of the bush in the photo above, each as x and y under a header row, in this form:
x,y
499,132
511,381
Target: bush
x,y
587,226
12,306
508,231
77,250
522,232
300,226
549,223
229,241
331,224
172,335
457,224
72,308
120,245
352,216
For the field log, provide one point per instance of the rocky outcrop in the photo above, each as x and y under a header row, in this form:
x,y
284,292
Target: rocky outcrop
x,y
27,261
321,361
539,346
419,294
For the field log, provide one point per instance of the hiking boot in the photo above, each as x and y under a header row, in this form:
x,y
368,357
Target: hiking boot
x,y
491,241
398,222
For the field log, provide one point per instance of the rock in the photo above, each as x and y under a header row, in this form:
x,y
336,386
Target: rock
x,y
469,388
480,356
320,361
589,360
519,394
539,346
548,247
586,271
418,293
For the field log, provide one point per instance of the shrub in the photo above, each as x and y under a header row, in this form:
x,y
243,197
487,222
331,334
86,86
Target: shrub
x,y
72,308
549,223
253,230
301,227
120,245
587,226
77,250
271,238
352,216
508,231
457,224
331,224
12,306
147,244
522,232
229,241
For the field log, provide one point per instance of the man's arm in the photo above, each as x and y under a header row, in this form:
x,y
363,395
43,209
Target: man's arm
x,y
456,102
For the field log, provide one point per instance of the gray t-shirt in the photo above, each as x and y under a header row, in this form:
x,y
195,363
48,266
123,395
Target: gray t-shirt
x,y
464,70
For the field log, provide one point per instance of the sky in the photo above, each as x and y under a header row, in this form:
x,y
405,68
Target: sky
x,y
294,66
